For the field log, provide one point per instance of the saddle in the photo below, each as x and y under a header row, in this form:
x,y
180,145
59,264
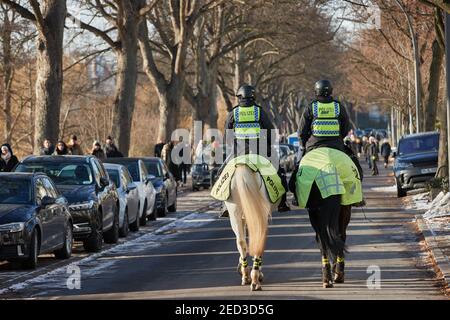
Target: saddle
x,y
274,187
333,171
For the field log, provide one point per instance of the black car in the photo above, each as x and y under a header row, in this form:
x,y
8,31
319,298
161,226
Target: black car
x,y
416,161
164,184
201,176
92,197
34,219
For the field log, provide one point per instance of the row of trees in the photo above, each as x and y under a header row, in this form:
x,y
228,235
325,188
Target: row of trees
x,y
189,54
384,62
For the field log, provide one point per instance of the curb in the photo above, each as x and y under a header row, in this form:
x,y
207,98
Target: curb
x,y
442,262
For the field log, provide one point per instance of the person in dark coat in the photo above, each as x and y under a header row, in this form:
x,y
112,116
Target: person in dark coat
x,y
386,152
47,149
373,154
98,151
110,149
158,149
61,149
8,160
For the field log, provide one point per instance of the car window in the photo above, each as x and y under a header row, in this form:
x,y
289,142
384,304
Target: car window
x,y
15,191
97,174
133,168
419,144
114,176
154,168
144,172
126,174
40,191
61,173
51,191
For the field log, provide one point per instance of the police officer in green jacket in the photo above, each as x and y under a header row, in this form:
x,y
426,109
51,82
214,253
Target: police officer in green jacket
x,y
325,122
248,121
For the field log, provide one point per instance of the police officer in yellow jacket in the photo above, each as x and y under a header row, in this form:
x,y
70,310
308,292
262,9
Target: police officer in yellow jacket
x,y
247,120
325,122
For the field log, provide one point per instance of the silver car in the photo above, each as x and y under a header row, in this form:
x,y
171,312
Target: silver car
x,y
143,181
128,198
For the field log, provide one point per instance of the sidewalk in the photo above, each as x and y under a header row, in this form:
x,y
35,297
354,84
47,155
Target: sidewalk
x,y
436,233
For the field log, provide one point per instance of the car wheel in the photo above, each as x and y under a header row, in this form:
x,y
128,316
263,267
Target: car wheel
x,y
94,242
173,207
135,225
143,219
162,212
400,191
66,251
32,259
112,235
123,232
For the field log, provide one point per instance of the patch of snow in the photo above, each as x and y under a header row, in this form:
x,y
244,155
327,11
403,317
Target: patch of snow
x,y
419,202
440,207
385,189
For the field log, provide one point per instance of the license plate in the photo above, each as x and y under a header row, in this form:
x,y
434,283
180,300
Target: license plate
x,y
429,170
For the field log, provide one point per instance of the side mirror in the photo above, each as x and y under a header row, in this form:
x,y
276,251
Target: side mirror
x,y
131,187
47,201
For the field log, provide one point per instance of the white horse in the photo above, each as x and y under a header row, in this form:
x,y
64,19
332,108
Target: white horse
x,y
249,206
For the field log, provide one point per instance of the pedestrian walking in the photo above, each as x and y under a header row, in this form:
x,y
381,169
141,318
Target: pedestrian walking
x,y
110,149
386,152
61,149
8,160
97,150
373,155
47,148
184,167
166,155
74,146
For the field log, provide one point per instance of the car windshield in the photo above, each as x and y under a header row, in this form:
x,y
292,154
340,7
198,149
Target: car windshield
x,y
153,168
419,145
15,191
114,176
62,173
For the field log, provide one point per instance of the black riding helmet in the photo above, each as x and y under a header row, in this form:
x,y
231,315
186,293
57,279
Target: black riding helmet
x,y
323,88
246,95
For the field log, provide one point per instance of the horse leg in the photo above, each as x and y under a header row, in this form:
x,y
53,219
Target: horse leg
x,y
339,266
256,275
238,226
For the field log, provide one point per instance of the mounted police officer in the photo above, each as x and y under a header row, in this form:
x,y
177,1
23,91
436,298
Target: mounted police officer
x,y
248,121
325,122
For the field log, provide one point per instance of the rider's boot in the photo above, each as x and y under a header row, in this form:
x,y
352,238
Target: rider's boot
x,y
327,279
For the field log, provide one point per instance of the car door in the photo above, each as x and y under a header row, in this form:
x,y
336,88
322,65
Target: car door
x,y
102,196
46,216
170,183
132,195
109,200
59,217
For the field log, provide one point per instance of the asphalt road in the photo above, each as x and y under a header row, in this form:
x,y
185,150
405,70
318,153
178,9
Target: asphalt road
x,y
192,255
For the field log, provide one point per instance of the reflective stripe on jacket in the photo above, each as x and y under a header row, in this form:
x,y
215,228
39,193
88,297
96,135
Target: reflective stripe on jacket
x,y
326,123
247,122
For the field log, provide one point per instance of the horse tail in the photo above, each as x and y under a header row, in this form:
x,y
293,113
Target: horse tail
x,y
255,206
324,216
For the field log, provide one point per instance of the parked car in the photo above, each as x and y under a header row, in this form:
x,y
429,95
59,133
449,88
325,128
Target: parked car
x,y
143,181
287,158
128,198
34,219
92,197
164,184
201,176
416,161
293,150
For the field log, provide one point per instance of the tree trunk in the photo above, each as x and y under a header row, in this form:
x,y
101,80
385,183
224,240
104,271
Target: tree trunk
x,y
7,75
433,87
49,72
125,92
443,143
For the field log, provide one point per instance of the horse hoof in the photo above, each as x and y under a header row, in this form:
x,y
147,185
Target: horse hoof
x,y
255,287
245,282
327,284
339,278
261,277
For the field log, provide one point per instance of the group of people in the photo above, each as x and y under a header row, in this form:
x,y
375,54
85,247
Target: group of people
x,y
109,150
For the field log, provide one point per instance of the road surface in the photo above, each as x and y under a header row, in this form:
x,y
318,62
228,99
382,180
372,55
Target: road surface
x,y
192,255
